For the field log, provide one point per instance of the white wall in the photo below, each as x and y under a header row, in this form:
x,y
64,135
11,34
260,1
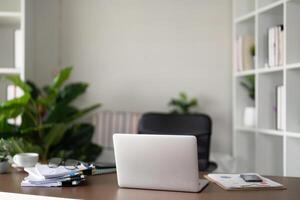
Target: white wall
x,y
136,54
44,42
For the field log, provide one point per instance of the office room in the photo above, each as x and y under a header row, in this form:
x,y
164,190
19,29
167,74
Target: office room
x,y
149,99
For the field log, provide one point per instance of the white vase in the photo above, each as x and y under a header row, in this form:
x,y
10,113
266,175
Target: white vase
x,y
4,167
249,116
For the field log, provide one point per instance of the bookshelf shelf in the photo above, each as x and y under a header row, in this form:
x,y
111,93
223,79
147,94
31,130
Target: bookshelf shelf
x,y
245,17
267,5
249,130
274,150
293,66
245,73
270,132
269,70
293,135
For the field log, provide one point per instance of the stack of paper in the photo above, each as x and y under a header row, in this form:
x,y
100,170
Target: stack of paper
x,y
43,176
235,182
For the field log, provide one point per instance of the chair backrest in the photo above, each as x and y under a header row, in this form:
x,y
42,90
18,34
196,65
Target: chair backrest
x,y
199,125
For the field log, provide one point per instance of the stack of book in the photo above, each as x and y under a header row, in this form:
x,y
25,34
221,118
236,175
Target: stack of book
x,y
244,57
275,46
44,176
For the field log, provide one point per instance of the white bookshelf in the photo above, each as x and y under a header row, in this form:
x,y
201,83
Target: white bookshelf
x,y
263,148
12,19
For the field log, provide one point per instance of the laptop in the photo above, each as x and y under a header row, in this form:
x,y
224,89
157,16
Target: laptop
x,y
159,162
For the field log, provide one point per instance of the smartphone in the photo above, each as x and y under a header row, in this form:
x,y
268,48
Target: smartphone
x,y
251,178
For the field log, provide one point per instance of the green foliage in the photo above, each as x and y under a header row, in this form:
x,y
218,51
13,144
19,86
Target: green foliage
x,y
252,50
183,104
49,120
249,84
3,151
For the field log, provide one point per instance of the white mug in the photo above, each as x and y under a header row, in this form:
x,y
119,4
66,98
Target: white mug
x,y
26,159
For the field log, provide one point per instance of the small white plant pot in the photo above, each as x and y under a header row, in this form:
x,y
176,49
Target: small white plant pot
x,y
249,116
4,167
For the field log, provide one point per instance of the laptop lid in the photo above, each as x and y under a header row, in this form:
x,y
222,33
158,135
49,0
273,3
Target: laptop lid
x,y
163,162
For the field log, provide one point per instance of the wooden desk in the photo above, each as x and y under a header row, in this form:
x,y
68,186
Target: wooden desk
x,y
105,187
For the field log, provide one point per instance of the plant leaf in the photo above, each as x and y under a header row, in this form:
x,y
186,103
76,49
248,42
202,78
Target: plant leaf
x,y
55,134
60,113
71,92
14,107
34,90
16,80
83,112
63,75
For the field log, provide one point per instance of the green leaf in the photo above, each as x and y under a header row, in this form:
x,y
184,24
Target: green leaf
x,y
77,135
63,75
71,92
55,134
16,80
36,128
83,112
19,145
14,107
60,113
34,90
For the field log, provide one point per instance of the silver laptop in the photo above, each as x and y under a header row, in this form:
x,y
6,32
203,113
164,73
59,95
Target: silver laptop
x,y
161,162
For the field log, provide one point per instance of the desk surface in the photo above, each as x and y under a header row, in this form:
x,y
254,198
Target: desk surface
x,y
105,187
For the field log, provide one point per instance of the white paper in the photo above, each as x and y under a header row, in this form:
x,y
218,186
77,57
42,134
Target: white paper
x,y
48,172
234,181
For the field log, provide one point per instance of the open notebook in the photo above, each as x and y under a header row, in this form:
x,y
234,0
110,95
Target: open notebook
x,y
235,182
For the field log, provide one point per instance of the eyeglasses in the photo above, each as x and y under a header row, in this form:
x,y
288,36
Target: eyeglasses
x,y
68,164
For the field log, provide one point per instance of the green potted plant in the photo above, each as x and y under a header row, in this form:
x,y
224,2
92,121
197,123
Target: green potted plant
x,y
252,52
4,154
249,111
183,104
50,122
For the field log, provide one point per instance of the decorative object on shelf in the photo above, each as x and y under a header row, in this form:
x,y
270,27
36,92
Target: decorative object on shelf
x,y
3,157
49,124
243,52
183,105
275,46
249,113
249,84
249,116
252,52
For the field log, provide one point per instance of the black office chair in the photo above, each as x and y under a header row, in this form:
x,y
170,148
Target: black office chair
x,y
199,125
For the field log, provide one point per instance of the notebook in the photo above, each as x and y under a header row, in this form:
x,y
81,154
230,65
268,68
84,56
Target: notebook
x,y
235,182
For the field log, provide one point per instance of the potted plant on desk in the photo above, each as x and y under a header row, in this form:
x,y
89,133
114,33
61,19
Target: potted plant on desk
x,y
49,122
3,158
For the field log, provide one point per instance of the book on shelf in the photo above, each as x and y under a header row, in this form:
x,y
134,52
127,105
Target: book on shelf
x,y
275,46
244,59
279,107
